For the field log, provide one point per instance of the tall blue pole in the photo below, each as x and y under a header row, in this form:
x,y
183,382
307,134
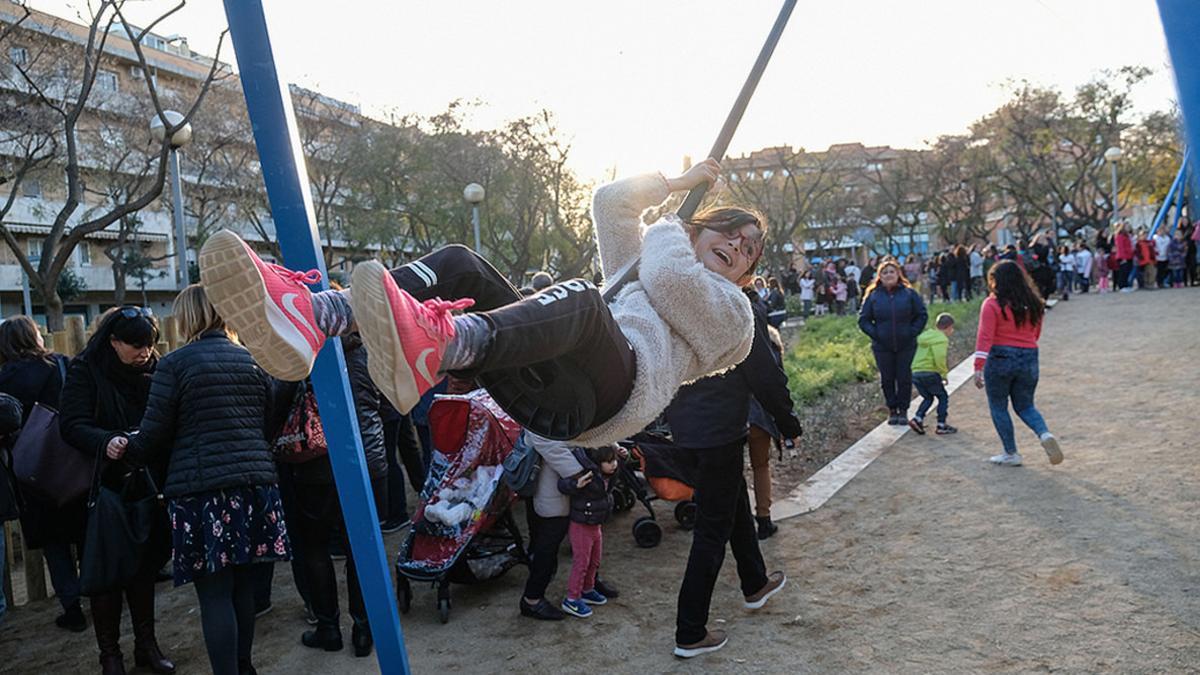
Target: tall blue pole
x,y
286,178
1173,193
1181,25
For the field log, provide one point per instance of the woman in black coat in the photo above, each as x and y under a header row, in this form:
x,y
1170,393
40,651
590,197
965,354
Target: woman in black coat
x,y
315,513
893,315
32,374
206,418
103,398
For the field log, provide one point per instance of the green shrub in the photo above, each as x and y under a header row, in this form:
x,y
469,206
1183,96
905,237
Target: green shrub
x,y
831,351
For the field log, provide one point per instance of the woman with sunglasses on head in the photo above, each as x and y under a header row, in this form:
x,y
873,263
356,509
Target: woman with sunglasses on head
x,y
685,316
103,399
893,315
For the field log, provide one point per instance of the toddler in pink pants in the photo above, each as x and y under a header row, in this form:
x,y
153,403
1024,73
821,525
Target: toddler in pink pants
x,y
591,504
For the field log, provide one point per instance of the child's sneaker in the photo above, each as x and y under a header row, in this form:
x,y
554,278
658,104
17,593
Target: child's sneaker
x,y
593,597
405,338
1050,445
270,307
1005,459
917,424
577,608
943,429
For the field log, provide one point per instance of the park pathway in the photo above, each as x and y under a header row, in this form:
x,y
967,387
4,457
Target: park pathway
x,y
930,560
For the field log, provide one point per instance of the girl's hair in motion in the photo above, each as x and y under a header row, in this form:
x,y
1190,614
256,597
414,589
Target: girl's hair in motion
x,y
1015,293
890,262
135,326
195,315
602,454
18,340
727,220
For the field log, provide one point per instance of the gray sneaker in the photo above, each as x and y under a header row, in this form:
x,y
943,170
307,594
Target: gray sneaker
x,y
1005,459
1053,451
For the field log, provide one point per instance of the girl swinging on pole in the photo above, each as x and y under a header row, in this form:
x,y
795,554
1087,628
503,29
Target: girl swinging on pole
x,y
684,318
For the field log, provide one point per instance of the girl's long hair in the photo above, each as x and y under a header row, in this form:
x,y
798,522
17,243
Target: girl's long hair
x,y
18,340
890,262
1015,293
139,330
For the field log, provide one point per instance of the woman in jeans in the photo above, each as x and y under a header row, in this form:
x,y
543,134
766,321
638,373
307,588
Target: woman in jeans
x,y
32,374
893,315
1006,358
207,408
103,398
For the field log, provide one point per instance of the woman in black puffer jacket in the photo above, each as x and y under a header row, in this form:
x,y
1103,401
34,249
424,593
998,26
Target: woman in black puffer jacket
x,y
206,417
893,315
103,398
316,514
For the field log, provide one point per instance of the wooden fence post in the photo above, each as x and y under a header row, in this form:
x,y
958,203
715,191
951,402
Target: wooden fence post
x,y
5,529
78,337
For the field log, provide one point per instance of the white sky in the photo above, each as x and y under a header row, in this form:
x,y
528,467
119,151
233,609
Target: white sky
x,y
639,84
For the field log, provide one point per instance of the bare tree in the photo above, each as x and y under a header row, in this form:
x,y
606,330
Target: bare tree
x,y
61,81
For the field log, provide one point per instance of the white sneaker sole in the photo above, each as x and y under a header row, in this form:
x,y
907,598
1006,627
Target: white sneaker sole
x,y
235,287
685,653
1005,462
1053,451
387,365
763,600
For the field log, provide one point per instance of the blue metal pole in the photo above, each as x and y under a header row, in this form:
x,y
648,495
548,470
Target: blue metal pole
x,y
1181,25
1171,194
286,178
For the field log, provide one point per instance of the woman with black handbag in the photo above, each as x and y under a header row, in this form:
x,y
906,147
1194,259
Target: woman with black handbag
x,y
33,374
103,398
205,418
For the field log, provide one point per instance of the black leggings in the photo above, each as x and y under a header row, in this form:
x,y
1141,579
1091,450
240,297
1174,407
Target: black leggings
x,y
227,616
567,321
546,536
895,376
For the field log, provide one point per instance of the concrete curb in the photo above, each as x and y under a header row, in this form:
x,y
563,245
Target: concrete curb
x,y
824,484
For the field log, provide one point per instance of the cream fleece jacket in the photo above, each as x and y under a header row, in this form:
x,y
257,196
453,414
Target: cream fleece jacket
x,y
683,321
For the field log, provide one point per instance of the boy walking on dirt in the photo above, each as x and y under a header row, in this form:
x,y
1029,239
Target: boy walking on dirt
x,y
929,372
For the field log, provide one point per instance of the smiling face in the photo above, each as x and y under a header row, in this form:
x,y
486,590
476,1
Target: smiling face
x,y
889,276
730,254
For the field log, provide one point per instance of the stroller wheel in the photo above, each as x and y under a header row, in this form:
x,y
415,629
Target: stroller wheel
x,y
404,594
646,532
443,601
685,513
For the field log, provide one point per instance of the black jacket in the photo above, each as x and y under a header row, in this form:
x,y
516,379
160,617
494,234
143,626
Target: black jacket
x,y
591,504
893,319
208,406
368,405
713,411
33,381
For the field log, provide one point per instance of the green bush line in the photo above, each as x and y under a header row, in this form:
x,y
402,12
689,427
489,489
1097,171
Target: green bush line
x,y
830,351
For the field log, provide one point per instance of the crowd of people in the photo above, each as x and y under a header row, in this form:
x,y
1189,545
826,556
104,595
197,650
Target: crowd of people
x,y
215,441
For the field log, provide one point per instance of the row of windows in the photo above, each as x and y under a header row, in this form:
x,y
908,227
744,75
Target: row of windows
x,y
106,80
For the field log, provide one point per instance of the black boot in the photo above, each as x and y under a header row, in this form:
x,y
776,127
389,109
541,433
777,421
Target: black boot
x,y
244,668
146,653
72,619
360,637
106,620
327,635
765,527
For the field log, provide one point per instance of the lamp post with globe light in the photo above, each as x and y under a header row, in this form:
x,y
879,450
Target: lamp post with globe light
x,y
1113,155
179,139
474,193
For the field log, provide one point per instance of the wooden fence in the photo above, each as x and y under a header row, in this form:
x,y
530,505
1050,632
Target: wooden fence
x,y
69,341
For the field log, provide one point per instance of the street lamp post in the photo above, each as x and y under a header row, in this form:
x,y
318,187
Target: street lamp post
x,y
179,139
474,193
1113,155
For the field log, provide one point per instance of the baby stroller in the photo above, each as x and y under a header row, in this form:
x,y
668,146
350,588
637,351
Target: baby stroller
x,y
667,469
463,530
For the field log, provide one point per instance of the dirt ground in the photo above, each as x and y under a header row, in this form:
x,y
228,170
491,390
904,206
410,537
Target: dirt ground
x,y
931,560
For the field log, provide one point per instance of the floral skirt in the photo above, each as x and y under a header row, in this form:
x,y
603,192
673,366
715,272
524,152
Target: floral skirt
x,y
235,526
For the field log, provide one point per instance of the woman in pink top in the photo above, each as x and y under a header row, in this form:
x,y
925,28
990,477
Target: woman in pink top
x,y
1006,358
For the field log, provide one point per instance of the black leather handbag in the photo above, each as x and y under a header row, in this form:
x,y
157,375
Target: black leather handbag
x,y
120,524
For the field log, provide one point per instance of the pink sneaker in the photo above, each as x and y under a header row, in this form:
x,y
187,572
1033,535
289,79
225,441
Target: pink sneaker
x,y
406,339
269,306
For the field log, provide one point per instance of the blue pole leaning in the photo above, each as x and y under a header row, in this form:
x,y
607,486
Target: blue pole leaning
x,y
286,178
1173,193
1181,25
